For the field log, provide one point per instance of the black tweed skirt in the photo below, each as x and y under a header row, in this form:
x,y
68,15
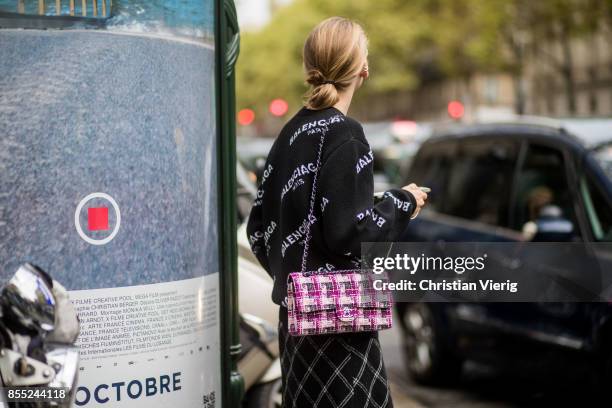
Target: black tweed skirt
x,y
332,371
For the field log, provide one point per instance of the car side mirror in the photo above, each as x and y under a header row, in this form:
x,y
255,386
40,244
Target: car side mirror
x,y
552,226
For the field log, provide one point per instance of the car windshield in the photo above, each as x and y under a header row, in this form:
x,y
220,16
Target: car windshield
x,y
603,155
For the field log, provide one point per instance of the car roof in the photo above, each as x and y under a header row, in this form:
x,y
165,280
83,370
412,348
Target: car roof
x,y
589,132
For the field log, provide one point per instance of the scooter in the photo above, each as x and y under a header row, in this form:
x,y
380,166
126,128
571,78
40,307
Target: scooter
x,y
38,330
259,363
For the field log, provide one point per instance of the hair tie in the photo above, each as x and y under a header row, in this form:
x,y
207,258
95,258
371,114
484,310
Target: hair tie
x,y
329,82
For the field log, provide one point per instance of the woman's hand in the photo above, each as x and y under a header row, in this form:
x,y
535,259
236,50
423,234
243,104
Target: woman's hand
x,y
419,196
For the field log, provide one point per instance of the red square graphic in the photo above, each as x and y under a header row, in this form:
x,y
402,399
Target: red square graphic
x,y
97,218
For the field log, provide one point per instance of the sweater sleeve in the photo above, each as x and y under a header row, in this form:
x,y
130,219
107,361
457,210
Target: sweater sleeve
x,y
349,214
256,234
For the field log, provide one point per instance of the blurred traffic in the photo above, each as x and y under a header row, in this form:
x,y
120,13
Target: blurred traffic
x,y
527,179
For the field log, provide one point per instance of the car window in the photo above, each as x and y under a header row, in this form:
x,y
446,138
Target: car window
x,y
599,212
431,168
542,188
479,181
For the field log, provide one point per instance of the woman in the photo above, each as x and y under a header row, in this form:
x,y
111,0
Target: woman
x,y
340,370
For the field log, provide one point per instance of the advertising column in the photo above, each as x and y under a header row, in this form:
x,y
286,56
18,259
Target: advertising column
x,y
108,181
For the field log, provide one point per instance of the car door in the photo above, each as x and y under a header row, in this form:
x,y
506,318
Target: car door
x,y
596,206
470,179
544,181
595,188
430,168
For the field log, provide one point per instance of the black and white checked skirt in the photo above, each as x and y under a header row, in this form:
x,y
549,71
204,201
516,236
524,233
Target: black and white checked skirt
x,y
335,371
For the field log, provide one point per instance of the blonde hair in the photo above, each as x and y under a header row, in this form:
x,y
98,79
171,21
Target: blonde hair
x,y
334,53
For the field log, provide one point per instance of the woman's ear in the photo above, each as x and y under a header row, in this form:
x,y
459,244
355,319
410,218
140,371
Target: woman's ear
x,y
365,72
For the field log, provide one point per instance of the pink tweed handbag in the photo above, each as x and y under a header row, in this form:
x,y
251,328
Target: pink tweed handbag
x,y
342,301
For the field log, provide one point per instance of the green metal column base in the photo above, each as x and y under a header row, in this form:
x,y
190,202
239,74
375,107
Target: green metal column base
x,y
236,389
227,40
236,382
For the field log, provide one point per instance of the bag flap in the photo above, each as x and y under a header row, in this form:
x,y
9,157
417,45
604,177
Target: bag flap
x,y
311,292
317,292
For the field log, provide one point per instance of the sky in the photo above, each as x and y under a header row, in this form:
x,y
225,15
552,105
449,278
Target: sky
x,y
253,14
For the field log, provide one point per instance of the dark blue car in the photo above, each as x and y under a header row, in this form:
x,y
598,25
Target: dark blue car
x,y
522,181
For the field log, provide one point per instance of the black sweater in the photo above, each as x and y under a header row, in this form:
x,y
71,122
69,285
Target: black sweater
x,y
345,214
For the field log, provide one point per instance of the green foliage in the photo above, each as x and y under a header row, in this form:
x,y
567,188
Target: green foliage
x,y
270,64
410,42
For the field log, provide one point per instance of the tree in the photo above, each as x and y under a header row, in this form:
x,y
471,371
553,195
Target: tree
x,y
414,43
270,63
549,28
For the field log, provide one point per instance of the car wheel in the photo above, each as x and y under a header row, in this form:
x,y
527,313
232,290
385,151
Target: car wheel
x,y
428,358
267,395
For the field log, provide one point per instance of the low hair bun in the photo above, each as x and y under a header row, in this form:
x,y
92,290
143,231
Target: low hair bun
x,y
322,96
314,77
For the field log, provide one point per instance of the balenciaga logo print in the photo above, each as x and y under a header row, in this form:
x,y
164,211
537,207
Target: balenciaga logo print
x,y
297,235
266,174
296,177
260,190
316,126
266,234
377,218
364,161
324,202
403,205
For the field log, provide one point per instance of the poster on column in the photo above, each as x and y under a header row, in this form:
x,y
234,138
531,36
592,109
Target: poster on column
x,y
108,182
158,338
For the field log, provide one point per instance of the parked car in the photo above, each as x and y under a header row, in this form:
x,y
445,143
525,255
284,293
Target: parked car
x,y
526,180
